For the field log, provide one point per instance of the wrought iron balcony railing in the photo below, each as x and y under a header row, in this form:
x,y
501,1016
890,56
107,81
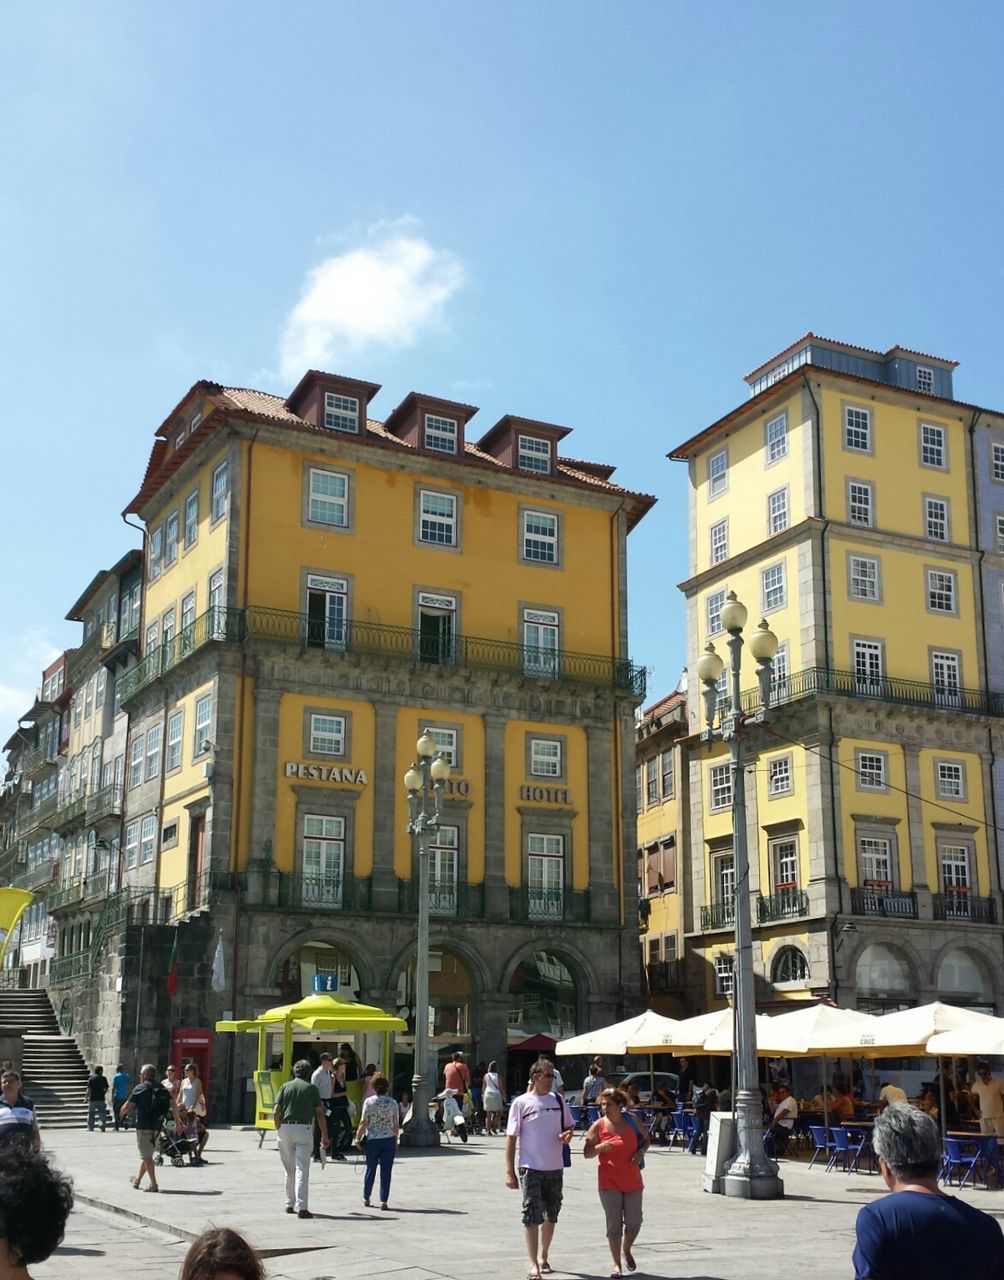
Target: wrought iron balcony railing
x,y
96,886
38,757
106,803
814,680
67,968
964,906
39,815
894,904
720,915
66,895
34,877
257,623
69,812
664,977
464,901
78,662
785,904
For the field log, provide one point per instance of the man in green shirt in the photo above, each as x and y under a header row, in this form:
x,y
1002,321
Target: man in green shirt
x,y
296,1107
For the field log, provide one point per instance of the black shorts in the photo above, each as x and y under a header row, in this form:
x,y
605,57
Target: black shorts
x,y
541,1195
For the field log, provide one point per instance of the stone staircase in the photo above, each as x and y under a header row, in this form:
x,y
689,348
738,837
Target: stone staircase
x,y
53,1072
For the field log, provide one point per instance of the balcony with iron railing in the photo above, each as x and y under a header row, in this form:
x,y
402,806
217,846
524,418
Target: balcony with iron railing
x,y
720,915
39,815
850,684
39,758
96,886
665,977
106,803
783,904
259,624
877,900
66,895
70,812
78,662
34,877
964,907
66,969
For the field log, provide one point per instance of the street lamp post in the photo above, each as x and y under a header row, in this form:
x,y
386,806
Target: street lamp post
x,y
752,1175
423,781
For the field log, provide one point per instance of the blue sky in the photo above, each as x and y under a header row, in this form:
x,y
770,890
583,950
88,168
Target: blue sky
x,y
593,214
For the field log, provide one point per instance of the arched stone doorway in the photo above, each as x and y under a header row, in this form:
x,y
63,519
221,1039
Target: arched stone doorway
x,y
296,971
884,979
543,998
452,1013
962,979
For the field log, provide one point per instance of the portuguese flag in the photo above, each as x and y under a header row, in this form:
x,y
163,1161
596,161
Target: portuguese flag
x,y
172,968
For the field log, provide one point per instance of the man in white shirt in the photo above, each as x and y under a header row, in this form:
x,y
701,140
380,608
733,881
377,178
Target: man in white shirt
x,y
322,1079
988,1094
783,1122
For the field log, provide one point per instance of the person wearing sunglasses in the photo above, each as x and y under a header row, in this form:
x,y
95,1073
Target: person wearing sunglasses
x,y
542,1124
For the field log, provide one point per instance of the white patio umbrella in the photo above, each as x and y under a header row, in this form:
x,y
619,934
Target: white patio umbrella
x,y
720,1039
898,1035
688,1036
799,1032
985,1039
616,1038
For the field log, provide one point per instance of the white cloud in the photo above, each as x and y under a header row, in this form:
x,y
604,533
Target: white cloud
x,y
384,293
23,661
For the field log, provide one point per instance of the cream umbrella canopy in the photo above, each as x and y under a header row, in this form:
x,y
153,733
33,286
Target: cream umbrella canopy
x,y
616,1038
800,1032
898,1035
720,1041
986,1039
687,1036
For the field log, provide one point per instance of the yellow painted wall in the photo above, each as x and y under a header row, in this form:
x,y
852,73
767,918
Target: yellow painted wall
x,y
578,789
182,788
747,584
744,502
781,808
887,804
970,812
655,824
387,565
291,748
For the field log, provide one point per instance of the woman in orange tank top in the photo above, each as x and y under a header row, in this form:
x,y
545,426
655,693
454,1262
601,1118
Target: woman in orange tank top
x,y
620,1147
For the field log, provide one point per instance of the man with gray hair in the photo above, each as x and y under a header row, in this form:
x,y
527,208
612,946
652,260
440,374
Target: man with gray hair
x,y
918,1231
151,1102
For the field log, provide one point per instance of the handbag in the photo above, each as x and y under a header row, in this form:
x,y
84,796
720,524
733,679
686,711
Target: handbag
x,y
566,1147
637,1133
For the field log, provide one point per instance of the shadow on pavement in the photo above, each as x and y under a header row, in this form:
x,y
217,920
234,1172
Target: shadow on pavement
x,y
68,1251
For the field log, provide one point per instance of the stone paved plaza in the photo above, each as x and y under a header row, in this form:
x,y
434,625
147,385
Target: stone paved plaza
x,y
451,1216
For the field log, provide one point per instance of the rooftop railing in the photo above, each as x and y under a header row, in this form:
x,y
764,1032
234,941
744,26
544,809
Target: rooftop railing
x,y
851,684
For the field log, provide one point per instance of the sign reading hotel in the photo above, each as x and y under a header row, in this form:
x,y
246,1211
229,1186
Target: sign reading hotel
x,y
326,773
546,795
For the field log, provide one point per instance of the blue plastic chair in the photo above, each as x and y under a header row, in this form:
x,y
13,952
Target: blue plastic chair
x,y
821,1138
842,1150
957,1156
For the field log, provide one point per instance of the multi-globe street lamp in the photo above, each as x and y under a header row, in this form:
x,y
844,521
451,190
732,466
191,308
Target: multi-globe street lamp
x,y
752,1175
424,782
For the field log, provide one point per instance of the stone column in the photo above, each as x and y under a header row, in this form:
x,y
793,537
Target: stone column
x,y
603,904
261,837
496,891
385,788
914,833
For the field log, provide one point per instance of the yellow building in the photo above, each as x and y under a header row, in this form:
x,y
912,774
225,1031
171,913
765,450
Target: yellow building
x,y
322,586
844,503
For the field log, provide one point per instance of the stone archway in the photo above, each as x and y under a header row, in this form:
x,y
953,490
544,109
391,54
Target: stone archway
x,y
962,978
885,977
317,952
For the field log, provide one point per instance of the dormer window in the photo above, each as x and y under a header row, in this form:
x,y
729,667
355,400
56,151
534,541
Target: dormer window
x,y
341,413
534,455
925,380
196,423
440,434
179,439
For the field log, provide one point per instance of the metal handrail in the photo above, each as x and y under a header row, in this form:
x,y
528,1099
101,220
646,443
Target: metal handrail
x,y
964,906
106,802
720,915
786,904
898,904
813,680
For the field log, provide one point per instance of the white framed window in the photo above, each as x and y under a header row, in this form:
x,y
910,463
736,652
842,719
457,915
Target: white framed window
x,y
153,740
941,591
540,537
89,698
667,775
175,730
864,578
150,639
868,660
215,596
131,845
779,777
720,786
323,859
327,735
156,553
545,876
148,839
773,589
719,542
652,780
790,966
328,498
860,502
997,461
875,862
784,864
440,434
327,612
950,777
724,979
203,722
99,692
936,523
933,445
545,758
955,875
925,379
715,603
718,473
221,491
192,519
534,454
137,750
780,671
443,849
437,628
777,510
999,530
171,540
341,413
167,627
857,428
872,770
437,518
446,741
541,630
776,438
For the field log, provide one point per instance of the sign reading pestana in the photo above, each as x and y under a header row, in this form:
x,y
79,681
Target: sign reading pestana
x,y
326,773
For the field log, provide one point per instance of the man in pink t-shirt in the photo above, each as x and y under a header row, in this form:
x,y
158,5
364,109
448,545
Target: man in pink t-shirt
x,y
542,1123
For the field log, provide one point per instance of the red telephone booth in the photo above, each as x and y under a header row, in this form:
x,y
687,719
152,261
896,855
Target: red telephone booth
x,y
196,1044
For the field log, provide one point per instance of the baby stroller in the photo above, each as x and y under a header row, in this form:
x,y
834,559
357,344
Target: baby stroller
x,y
171,1144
